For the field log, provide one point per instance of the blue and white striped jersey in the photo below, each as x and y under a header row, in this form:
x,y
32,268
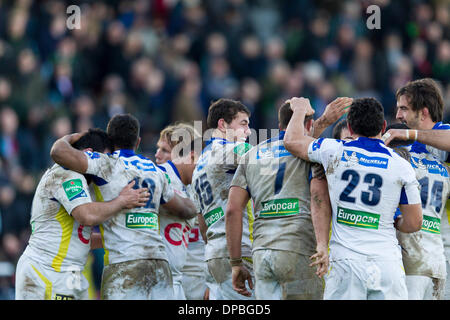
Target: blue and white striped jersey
x,y
367,181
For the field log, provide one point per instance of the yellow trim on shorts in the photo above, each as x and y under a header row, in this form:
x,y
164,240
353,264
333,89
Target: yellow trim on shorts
x,y
66,222
251,219
99,198
48,284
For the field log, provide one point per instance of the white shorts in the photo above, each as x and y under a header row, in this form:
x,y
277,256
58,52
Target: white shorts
x,y
425,288
36,282
365,279
145,279
178,291
220,269
194,287
282,275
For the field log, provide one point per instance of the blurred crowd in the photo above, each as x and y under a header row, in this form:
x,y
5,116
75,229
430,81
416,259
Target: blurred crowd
x,y
166,60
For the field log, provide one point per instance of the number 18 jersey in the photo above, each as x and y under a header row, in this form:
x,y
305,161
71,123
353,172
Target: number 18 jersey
x,y
367,181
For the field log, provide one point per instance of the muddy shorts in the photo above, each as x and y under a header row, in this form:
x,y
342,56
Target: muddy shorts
x,y
36,282
220,270
145,279
366,279
283,275
425,288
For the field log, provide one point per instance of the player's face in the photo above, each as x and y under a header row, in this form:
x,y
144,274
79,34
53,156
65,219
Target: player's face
x,y
238,129
163,152
406,115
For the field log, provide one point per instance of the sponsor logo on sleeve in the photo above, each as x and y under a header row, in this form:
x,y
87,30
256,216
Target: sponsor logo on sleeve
x,y
74,189
213,216
431,224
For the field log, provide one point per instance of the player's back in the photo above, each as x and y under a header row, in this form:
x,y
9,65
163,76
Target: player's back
x,y
58,240
211,180
131,234
423,251
279,185
367,181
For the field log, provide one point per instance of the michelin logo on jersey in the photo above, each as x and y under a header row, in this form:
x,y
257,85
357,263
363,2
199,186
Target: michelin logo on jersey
x,y
359,158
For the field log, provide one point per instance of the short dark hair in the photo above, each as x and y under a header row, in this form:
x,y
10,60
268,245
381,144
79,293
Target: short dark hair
x,y
424,93
366,117
96,139
337,130
226,109
285,114
123,130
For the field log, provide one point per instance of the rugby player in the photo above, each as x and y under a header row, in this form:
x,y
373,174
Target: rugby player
x,y
367,181
423,251
62,215
136,265
280,187
176,231
229,122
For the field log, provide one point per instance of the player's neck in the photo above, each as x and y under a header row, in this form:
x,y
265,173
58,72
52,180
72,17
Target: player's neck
x,y
218,134
356,136
427,124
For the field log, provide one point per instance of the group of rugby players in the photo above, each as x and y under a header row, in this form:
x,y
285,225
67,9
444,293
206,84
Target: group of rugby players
x,y
360,216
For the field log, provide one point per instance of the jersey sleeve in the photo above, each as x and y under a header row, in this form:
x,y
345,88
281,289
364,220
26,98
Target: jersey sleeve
x,y
323,150
99,164
73,191
167,192
410,193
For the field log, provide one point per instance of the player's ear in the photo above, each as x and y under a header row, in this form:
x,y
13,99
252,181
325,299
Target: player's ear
x,y
137,143
221,125
350,128
384,127
425,113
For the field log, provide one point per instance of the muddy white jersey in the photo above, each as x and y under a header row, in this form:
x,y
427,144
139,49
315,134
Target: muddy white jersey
x,y
174,231
134,233
423,251
211,181
57,240
279,185
367,181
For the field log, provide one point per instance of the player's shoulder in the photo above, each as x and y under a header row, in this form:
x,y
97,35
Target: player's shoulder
x,y
441,126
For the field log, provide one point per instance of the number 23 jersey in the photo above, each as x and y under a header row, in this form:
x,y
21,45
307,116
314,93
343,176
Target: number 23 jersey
x,y
367,181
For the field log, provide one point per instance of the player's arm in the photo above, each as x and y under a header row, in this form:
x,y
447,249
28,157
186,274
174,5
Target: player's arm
x,y
94,213
321,219
411,218
333,112
67,156
295,140
237,201
180,207
202,226
439,139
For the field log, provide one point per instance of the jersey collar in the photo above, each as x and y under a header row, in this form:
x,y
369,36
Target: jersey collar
x,y
174,168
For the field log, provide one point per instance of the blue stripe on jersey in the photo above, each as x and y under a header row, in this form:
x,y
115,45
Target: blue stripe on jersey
x,y
97,180
174,169
162,168
369,144
441,126
403,197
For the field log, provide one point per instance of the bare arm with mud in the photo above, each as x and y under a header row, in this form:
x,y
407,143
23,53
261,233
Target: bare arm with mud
x,y
67,156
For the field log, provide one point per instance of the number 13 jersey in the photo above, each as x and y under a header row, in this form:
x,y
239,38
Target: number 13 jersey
x,y
367,181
